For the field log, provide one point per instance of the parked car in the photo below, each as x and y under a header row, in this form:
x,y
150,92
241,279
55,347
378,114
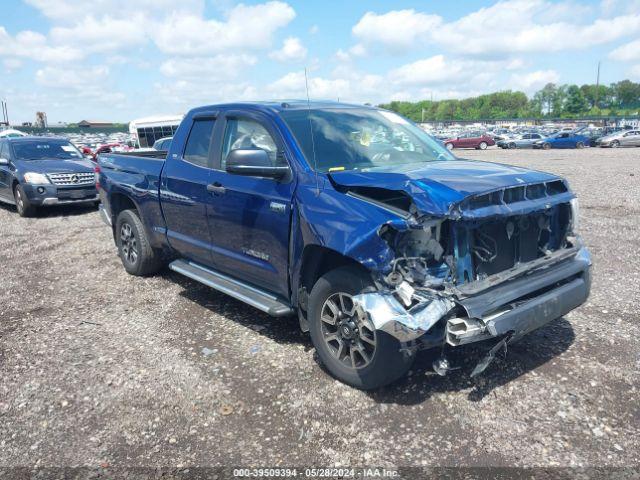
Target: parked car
x,y
41,171
525,140
353,218
470,140
563,140
110,147
624,138
162,143
11,133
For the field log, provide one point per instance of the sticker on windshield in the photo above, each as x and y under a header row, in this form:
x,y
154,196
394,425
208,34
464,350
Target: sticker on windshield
x,y
395,118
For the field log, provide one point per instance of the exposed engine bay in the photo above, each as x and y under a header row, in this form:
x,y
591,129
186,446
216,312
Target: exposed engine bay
x,y
481,271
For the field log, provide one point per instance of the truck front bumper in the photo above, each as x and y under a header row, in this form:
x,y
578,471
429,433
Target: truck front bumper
x,y
516,306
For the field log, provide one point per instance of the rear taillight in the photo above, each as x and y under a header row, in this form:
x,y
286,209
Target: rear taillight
x,y
96,171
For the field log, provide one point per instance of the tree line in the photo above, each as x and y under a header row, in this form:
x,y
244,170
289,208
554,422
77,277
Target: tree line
x,y
552,101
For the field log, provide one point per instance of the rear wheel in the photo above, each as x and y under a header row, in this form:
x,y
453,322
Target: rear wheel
x,y
580,145
134,248
482,146
346,342
23,205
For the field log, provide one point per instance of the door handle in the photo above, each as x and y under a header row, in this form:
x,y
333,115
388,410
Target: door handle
x,y
216,188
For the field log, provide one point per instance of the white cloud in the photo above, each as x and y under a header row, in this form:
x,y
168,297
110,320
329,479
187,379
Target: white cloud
x,y
219,67
396,30
533,81
433,70
627,53
506,27
34,45
71,78
514,26
104,35
11,64
292,50
246,27
635,72
69,11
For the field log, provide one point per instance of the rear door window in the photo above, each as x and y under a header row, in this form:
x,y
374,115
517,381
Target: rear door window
x,y
196,150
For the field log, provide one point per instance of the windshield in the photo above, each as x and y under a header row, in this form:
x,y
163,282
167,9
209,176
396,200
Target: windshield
x,y
45,150
361,139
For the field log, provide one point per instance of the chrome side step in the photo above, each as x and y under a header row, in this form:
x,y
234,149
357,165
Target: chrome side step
x,y
248,294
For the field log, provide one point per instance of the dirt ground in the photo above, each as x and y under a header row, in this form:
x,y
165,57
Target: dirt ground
x,y
101,368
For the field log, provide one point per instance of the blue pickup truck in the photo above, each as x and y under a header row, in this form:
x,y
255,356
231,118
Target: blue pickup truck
x,y
378,238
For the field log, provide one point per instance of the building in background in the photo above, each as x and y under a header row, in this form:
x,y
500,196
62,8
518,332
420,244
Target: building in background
x,y
94,124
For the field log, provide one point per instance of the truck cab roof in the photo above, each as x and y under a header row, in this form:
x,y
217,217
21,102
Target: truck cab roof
x,y
280,105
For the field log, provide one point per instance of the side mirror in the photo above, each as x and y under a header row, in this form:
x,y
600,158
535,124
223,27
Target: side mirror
x,y
253,163
4,161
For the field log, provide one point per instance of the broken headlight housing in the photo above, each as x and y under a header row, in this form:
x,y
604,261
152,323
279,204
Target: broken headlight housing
x,y
575,215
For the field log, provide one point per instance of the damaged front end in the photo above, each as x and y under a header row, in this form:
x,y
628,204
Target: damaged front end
x,y
495,264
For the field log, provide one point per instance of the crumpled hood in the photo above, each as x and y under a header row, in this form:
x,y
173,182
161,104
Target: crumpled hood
x,y
436,186
56,166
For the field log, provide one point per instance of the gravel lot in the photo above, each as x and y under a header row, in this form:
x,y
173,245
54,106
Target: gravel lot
x,y
101,368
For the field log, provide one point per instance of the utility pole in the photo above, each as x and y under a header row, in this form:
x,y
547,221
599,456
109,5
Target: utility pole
x,y
5,112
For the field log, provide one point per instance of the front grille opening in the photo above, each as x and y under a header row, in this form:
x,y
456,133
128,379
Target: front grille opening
x,y
502,244
513,195
556,188
516,194
535,191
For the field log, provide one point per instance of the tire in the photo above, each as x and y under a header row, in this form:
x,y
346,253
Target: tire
x,y
23,205
579,144
386,363
134,249
512,145
449,146
615,144
546,146
482,146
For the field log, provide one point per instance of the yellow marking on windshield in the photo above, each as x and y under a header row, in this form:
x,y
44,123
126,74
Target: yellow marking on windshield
x,y
336,169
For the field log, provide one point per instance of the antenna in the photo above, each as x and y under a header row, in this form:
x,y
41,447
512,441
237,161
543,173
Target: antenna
x,y
313,143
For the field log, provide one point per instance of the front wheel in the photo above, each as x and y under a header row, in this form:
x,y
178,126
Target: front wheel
x,y
449,146
512,145
23,205
134,248
580,145
346,342
546,146
615,144
482,146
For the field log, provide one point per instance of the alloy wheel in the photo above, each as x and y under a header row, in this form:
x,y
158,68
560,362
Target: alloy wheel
x,y
19,200
349,337
129,243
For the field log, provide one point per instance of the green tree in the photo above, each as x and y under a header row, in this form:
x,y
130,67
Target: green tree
x,y
575,102
627,94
